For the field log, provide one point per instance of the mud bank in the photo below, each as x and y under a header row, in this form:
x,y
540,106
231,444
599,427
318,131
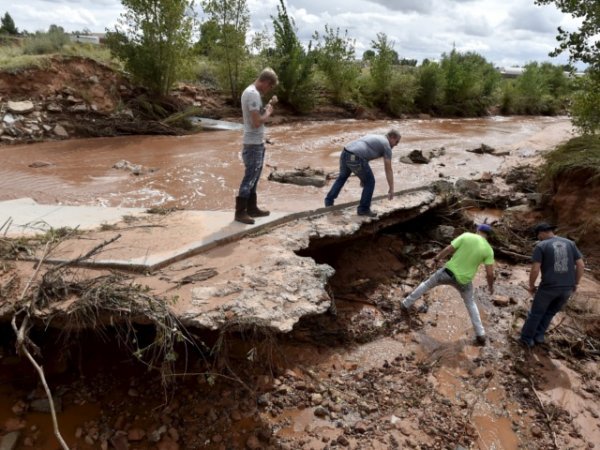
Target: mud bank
x,y
360,375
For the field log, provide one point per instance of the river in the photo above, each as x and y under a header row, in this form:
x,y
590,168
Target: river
x,y
203,171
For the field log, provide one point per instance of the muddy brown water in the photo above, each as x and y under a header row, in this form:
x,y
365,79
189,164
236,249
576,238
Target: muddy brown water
x,y
203,171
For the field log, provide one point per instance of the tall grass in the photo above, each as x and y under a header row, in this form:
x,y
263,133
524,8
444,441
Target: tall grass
x,y
578,155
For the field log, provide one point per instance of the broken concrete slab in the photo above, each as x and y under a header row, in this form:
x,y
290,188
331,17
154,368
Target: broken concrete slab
x,y
26,217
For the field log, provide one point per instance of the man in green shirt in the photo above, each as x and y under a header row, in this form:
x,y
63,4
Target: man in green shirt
x,y
468,251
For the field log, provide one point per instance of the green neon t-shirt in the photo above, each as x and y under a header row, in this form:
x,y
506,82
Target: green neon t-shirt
x,y
470,250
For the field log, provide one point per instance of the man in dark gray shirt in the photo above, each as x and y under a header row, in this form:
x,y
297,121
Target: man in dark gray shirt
x,y
355,159
561,264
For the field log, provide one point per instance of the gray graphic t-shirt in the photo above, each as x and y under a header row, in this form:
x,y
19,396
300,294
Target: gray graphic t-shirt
x,y
370,147
251,101
557,256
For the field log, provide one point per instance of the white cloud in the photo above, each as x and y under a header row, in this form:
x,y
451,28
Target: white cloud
x,y
500,30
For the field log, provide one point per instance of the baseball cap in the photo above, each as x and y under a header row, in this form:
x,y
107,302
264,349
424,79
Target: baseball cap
x,y
485,228
543,226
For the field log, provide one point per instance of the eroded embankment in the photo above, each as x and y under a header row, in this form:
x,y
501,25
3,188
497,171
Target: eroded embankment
x,y
359,375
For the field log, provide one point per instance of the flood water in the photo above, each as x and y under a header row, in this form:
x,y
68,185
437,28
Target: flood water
x,y
203,171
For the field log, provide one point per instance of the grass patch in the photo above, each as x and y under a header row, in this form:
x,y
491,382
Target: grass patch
x,y
13,60
580,154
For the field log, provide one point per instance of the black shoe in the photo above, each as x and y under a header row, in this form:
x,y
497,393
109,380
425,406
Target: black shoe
x,y
368,213
480,341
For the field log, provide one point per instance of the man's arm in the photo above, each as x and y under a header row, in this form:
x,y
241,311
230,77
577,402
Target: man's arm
x,y
535,271
258,119
444,253
579,267
389,175
489,275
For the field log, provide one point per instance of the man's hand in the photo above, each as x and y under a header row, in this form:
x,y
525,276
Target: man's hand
x,y
532,290
491,289
390,195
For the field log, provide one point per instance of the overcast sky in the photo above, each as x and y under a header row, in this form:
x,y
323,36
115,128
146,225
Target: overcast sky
x,y
505,32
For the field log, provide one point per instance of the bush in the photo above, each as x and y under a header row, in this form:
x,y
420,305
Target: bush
x,y
43,43
403,91
430,88
585,106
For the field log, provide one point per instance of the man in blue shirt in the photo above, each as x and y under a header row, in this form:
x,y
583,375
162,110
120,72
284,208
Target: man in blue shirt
x,y
561,265
355,160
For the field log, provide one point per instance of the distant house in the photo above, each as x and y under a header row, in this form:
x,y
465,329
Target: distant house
x,y
90,38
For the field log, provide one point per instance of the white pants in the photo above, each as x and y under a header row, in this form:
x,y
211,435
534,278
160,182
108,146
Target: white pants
x,y
440,277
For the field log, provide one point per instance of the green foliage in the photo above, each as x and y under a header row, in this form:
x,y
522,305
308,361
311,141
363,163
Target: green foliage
x,y
42,43
209,35
585,106
470,84
580,154
368,55
583,44
431,88
541,89
293,64
335,59
154,41
381,69
7,25
404,88
225,40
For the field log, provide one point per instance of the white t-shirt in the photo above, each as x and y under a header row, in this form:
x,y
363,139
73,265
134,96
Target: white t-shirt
x,y
251,101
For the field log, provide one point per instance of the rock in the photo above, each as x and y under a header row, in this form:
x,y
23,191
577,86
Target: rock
x,y
79,108
301,177
321,412
9,119
9,440
43,405
468,187
60,131
501,300
361,426
53,107
253,443
136,434
417,157
536,431
19,408
316,399
482,149
119,442
343,440
20,107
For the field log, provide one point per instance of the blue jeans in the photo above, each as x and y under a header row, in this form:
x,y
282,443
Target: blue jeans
x,y
254,157
546,303
439,277
352,164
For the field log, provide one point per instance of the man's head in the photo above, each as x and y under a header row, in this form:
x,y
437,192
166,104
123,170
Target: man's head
x,y
484,229
544,230
266,81
393,137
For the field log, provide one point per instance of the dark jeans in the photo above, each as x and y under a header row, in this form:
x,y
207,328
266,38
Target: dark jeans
x,y
352,164
254,157
546,303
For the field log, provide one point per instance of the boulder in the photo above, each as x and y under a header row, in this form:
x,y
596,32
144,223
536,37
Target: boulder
x,y
20,107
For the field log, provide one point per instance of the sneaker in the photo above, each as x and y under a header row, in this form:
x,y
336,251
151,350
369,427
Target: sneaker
x,y
368,213
480,341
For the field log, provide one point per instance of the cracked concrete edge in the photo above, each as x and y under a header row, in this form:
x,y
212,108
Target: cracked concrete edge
x,y
287,287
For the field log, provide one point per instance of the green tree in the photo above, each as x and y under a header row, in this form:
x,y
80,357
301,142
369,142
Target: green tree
x,y
293,64
381,68
334,55
232,20
7,25
431,87
583,45
209,36
368,55
585,106
153,39
470,83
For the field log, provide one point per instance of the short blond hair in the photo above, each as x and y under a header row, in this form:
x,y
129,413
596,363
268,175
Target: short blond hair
x,y
269,75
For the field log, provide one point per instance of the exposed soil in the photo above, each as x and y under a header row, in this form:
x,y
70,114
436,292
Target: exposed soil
x,y
362,376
